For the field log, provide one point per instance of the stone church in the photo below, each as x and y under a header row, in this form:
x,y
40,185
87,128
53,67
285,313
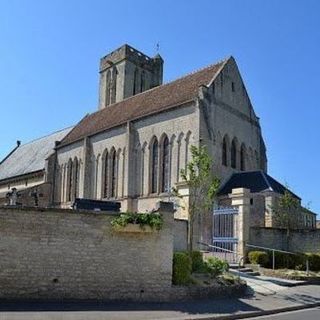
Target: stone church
x,y
133,147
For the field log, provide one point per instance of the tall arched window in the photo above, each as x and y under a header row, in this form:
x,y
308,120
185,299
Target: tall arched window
x,y
63,183
114,85
142,81
108,88
187,142
76,178
136,81
154,166
105,176
113,173
243,158
69,182
233,154
138,171
225,152
165,165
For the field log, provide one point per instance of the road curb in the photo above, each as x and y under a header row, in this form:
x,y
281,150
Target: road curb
x,y
260,313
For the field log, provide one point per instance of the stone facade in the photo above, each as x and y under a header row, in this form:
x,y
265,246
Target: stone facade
x,y
62,254
221,112
226,114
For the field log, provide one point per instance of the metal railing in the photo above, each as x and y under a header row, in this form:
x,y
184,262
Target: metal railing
x,y
240,260
277,250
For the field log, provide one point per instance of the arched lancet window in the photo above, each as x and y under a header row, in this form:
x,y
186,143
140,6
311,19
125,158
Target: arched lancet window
x,y
57,188
165,165
154,166
114,85
69,181
178,154
138,171
225,152
113,166
250,164
143,151
187,141
76,178
105,176
243,158
62,183
136,81
108,88
233,154
97,165
142,81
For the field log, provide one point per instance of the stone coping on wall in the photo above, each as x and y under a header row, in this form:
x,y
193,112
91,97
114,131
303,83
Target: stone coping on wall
x,y
283,229
58,210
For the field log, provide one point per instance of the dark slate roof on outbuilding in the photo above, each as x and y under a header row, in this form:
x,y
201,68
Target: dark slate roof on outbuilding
x,y
149,102
256,181
30,157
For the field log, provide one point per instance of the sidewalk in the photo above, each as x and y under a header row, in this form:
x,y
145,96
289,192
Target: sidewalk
x,y
267,285
233,308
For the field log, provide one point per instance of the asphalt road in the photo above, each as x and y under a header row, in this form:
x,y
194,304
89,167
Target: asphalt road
x,y
306,314
299,296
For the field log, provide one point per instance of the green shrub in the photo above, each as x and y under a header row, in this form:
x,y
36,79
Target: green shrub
x,y
197,261
182,267
288,261
258,257
216,267
314,261
154,220
285,260
299,261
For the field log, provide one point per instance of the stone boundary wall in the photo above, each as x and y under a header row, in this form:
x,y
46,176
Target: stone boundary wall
x,y
185,293
300,240
54,254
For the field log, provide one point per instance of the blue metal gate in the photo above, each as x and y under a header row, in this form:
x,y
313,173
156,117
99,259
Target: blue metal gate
x,y
225,233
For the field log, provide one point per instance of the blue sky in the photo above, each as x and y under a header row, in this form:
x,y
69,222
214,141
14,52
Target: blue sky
x,y
50,50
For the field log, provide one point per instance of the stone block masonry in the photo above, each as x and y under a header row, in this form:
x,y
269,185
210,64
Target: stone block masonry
x,y
299,240
48,254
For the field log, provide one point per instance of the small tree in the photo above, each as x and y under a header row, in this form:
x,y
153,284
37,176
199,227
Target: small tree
x,y
202,183
286,213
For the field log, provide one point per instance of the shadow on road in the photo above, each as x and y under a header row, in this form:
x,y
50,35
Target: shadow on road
x,y
222,306
302,298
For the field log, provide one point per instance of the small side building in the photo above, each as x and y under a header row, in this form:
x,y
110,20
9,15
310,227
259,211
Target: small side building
x,y
24,171
265,193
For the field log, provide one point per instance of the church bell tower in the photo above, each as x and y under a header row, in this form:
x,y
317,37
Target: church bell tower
x,y
126,72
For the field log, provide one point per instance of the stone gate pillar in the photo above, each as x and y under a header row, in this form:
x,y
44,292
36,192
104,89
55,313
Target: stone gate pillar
x,y
240,197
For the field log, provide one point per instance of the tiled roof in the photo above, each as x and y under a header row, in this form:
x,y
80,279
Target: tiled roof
x,y
30,157
151,101
256,181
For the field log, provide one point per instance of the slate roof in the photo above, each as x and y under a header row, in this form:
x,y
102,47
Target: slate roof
x,y
30,157
146,103
256,181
